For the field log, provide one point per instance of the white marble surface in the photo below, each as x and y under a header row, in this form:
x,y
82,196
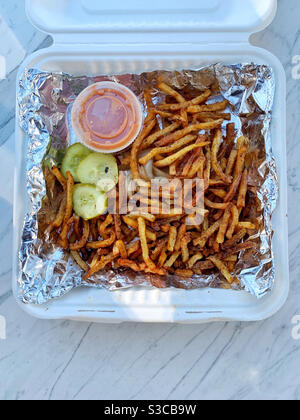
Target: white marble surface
x,y
68,360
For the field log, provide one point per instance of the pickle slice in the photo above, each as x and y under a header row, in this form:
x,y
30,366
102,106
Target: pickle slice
x,y
74,155
88,201
99,169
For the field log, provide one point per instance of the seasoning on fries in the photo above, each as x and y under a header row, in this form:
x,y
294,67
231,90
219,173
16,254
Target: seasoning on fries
x,y
189,145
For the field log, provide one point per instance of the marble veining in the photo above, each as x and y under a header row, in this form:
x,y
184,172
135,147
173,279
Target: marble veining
x,y
67,360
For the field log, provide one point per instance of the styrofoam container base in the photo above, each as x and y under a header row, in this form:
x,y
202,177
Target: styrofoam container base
x,y
148,305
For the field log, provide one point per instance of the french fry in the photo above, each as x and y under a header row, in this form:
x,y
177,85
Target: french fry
x,y
176,156
219,193
241,202
77,258
118,226
224,225
194,259
102,226
60,215
231,162
162,258
206,235
168,149
144,244
218,206
184,248
205,116
180,235
246,225
233,189
172,238
100,265
222,268
161,133
134,166
146,216
196,101
214,158
170,91
83,241
234,222
172,259
184,273
59,176
134,224
102,244
194,128
235,239
240,161
69,204
123,262
219,106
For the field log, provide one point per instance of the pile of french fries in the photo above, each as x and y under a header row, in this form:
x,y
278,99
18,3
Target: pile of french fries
x,y
184,137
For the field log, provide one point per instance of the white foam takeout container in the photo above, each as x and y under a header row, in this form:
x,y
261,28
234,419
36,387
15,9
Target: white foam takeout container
x,y
94,38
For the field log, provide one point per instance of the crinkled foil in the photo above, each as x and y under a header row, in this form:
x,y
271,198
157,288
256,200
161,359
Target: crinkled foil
x,y
48,272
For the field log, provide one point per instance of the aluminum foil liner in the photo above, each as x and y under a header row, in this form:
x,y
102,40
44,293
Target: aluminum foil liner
x,y
48,272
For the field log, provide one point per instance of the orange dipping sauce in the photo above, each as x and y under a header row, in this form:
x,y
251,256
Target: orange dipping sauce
x,y
107,117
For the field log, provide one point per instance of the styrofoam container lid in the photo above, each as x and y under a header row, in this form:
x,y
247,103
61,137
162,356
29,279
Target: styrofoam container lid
x,y
134,16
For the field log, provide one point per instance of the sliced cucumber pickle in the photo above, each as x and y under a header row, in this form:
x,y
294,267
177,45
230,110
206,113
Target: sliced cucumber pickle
x,y
99,169
74,155
88,201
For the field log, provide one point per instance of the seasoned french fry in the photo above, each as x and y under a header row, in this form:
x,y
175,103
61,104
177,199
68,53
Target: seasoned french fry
x,y
184,273
82,264
146,216
168,149
222,268
219,106
194,259
103,244
241,203
246,225
59,176
183,105
206,235
240,161
218,206
184,248
176,156
123,262
235,239
102,226
214,158
172,259
170,91
134,166
234,222
233,188
181,233
172,238
161,133
219,193
231,162
60,215
144,244
195,128
83,241
224,225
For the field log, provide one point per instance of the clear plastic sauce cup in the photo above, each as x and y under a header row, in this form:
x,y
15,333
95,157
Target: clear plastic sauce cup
x,y
107,117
